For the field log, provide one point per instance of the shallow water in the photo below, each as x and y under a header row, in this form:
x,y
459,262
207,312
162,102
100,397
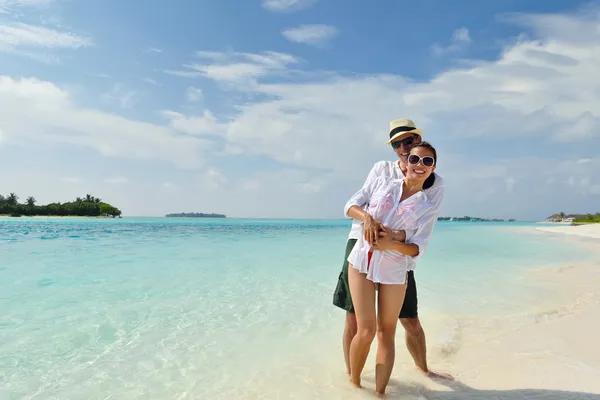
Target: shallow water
x,y
179,308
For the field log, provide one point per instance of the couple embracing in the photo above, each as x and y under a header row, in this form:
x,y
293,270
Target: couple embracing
x,y
393,214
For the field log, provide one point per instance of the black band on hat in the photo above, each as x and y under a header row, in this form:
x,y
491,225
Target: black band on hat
x,y
401,129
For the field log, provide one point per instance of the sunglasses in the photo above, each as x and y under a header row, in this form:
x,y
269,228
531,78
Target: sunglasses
x,y
406,142
427,161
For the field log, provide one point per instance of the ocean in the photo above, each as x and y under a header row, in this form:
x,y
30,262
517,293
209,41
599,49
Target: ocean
x,y
156,308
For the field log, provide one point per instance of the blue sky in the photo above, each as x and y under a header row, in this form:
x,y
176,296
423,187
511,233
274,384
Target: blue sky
x,y
278,108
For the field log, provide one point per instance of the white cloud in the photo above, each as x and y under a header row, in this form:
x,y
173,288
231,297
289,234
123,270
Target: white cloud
x,y
150,81
15,35
510,184
11,6
233,67
207,124
194,94
124,98
534,84
72,179
311,34
58,119
214,178
250,185
287,5
117,180
459,40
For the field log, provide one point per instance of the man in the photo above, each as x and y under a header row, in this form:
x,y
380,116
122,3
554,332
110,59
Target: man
x,y
403,135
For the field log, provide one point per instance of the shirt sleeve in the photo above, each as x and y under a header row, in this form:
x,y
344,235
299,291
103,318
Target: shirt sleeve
x,y
427,221
362,196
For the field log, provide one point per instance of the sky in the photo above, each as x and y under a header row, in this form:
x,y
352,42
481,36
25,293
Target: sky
x,y
279,108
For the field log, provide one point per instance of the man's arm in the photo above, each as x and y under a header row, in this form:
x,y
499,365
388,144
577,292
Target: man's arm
x,y
361,198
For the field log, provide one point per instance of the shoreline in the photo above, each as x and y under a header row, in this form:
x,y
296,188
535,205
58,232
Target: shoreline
x,y
589,231
533,354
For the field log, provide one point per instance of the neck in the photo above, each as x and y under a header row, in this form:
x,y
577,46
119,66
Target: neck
x,y
402,167
413,185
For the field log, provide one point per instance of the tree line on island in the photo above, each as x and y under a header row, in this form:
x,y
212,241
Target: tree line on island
x,y
575,218
88,206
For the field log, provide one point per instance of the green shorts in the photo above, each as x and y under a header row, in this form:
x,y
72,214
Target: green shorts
x,y
343,300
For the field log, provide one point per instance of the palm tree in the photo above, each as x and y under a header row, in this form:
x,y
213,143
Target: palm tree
x,y
2,199
12,199
31,201
89,198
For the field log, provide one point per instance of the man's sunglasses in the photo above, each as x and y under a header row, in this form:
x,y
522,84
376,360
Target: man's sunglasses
x,y
427,161
406,142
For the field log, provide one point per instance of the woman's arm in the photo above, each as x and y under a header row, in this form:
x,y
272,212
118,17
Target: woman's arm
x,y
426,224
418,243
371,226
388,243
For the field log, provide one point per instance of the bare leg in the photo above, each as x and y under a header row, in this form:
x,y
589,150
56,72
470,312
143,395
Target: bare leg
x,y
363,298
389,303
349,332
417,347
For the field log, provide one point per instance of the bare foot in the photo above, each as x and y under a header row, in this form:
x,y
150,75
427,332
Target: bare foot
x,y
379,395
356,384
438,375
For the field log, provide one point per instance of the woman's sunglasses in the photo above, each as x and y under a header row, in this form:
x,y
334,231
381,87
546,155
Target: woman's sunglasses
x,y
406,142
427,161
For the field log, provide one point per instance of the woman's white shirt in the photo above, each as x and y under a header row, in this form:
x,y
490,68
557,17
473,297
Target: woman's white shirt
x,y
391,169
416,215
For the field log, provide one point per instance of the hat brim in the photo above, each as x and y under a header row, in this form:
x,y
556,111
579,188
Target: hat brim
x,y
405,133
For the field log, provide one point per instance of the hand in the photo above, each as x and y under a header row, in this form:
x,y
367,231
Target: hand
x,y
371,229
399,236
385,241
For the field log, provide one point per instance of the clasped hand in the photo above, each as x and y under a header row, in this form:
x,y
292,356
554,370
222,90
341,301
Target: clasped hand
x,y
380,237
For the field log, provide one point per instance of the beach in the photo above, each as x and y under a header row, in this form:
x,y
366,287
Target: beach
x,y
157,308
587,231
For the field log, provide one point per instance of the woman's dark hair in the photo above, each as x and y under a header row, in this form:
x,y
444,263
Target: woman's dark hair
x,y
426,145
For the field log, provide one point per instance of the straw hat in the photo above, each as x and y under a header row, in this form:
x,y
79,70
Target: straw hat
x,y
402,126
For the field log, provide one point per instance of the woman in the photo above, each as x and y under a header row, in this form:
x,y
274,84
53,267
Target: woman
x,y
394,204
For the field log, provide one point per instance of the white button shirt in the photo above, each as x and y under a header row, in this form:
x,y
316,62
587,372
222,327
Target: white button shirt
x,y
432,196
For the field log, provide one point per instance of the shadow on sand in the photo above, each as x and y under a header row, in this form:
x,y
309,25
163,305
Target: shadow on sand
x,y
460,391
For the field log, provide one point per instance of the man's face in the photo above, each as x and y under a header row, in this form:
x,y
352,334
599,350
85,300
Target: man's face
x,y
403,144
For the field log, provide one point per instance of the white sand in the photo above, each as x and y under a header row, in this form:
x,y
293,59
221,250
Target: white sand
x,y
553,354
589,231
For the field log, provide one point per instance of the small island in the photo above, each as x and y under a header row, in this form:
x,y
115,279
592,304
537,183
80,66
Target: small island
x,y
195,215
88,206
474,219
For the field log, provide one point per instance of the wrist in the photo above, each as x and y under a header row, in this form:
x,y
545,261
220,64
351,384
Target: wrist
x,y
399,236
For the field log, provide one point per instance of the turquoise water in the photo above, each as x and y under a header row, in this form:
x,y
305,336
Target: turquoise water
x,y
178,308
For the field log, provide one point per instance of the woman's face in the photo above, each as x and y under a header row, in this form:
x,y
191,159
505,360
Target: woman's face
x,y
420,165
